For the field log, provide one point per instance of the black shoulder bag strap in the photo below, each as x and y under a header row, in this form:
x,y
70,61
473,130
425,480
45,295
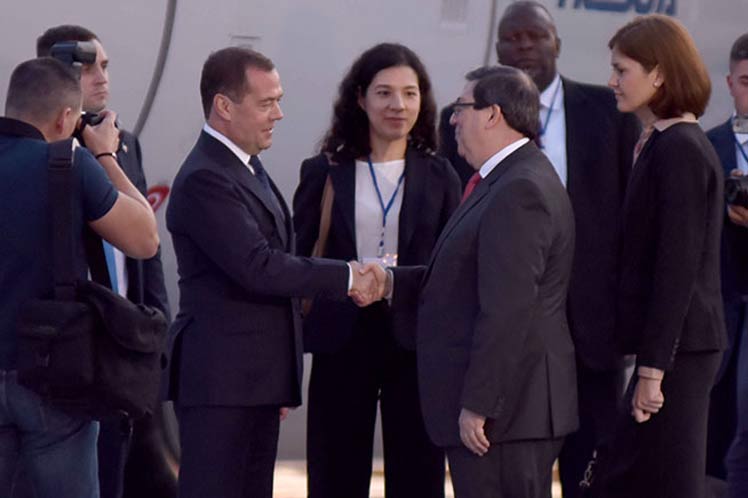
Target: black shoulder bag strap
x,y
60,183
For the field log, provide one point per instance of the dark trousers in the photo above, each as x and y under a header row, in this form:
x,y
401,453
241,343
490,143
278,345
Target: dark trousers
x,y
664,457
113,445
227,452
599,397
517,469
344,391
723,408
737,457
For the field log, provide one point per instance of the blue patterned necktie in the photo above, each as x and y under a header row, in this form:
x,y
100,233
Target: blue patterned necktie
x,y
260,173
262,177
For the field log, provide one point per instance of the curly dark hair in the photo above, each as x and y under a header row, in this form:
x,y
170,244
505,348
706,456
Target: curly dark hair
x,y
348,136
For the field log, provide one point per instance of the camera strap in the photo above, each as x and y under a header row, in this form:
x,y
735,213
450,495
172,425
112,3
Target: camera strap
x,y
60,182
741,148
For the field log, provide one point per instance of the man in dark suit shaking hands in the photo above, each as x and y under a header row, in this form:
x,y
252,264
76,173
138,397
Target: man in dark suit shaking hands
x,y
590,145
237,356
496,362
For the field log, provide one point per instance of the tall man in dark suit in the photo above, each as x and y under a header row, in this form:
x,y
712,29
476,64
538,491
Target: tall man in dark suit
x,y
140,280
590,144
496,364
237,357
729,402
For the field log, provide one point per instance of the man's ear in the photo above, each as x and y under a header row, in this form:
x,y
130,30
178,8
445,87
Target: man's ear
x,y
222,106
495,117
62,119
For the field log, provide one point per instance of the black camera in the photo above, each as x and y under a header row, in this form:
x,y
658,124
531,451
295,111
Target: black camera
x,y
736,190
91,119
76,53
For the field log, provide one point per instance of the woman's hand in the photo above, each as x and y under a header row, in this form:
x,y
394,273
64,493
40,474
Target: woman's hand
x,y
648,398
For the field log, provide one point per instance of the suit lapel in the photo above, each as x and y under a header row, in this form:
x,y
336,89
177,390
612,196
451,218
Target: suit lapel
x,y
343,176
725,147
414,190
283,219
241,174
476,197
576,133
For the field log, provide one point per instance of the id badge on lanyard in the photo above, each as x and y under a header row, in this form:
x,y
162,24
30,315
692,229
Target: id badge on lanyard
x,y
383,258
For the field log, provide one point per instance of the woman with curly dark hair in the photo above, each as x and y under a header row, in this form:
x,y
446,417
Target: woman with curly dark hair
x,y
391,198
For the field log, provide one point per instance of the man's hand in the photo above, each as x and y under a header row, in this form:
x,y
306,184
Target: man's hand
x,y
737,214
647,400
368,283
471,432
104,137
284,413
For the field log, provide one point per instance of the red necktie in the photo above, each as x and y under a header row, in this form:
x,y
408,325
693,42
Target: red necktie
x,y
471,186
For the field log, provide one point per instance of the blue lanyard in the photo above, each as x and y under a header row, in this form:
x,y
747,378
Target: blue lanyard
x,y
740,148
385,209
550,110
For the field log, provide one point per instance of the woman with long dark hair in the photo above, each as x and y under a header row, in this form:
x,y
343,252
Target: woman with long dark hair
x,y
391,198
669,305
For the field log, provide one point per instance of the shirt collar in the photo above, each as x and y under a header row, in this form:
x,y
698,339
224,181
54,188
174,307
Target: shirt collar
x,y
14,127
243,156
546,96
663,124
741,137
494,160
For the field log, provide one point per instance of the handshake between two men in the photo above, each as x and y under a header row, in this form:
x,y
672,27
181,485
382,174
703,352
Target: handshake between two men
x,y
371,282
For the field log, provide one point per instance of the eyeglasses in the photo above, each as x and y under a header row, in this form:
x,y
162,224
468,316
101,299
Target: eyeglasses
x,y
458,107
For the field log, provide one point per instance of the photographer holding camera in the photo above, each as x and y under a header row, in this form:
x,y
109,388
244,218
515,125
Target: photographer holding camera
x,y
728,413
43,104
141,281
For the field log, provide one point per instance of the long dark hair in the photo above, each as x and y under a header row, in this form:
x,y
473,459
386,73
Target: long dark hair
x,y
348,136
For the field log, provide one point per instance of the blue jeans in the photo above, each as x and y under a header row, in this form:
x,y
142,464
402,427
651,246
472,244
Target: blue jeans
x,y
58,451
737,457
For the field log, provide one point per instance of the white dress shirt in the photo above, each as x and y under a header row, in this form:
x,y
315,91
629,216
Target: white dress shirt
x,y
238,152
742,139
553,126
119,263
368,210
494,160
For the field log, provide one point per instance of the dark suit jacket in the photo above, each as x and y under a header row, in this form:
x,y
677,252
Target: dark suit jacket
x,y
669,291
145,278
599,145
734,238
733,255
238,327
492,333
431,193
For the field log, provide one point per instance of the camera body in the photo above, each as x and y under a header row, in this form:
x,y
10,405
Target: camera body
x,y
76,53
736,190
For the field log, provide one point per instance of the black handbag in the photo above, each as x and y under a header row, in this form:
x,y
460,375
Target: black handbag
x,y
87,350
